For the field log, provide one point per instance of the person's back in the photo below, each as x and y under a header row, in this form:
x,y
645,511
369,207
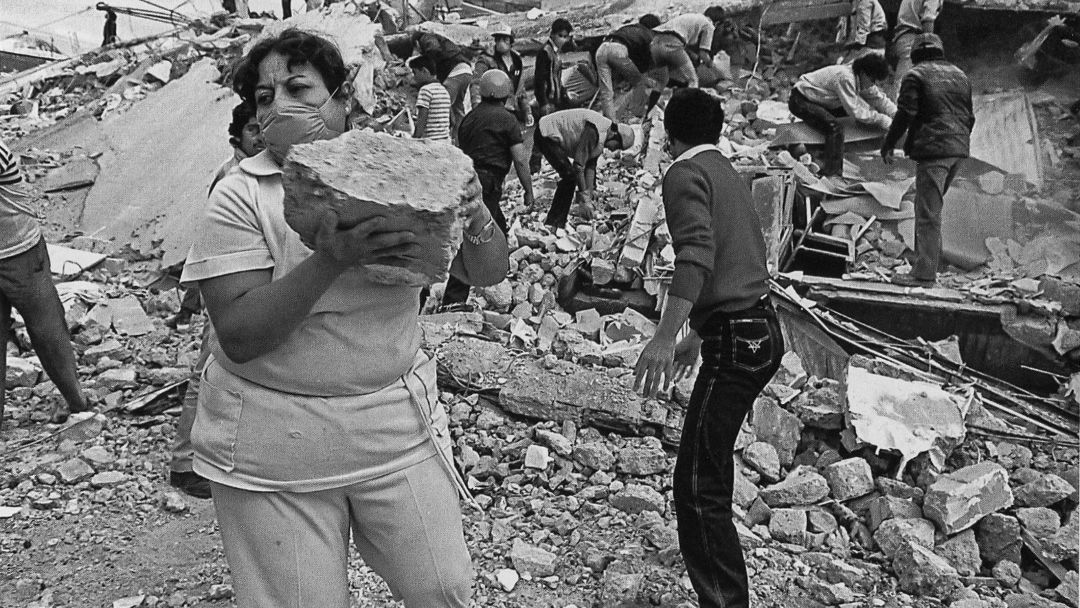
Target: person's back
x,y
484,136
19,229
940,94
636,38
567,127
436,99
917,15
695,30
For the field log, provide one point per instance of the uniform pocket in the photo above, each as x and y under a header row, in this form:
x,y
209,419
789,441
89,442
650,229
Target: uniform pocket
x,y
752,344
217,421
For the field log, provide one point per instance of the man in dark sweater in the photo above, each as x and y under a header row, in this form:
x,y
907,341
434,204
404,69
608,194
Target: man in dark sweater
x,y
491,136
934,108
720,286
547,79
625,52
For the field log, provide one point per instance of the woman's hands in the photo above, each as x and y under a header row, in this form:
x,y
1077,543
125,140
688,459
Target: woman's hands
x,y
474,211
363,244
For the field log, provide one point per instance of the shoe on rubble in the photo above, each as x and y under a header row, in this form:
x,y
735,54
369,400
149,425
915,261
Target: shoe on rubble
x,y
905,279
190,483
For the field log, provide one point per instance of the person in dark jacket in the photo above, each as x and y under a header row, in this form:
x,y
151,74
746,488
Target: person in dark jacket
x,y
547,79
720,285
503,57
934,108
626,53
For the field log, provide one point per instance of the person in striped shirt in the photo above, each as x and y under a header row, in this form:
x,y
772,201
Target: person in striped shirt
x,y
26,285
432,102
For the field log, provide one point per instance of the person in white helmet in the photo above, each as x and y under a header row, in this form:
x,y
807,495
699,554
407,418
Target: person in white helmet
x,y
491,136
503,57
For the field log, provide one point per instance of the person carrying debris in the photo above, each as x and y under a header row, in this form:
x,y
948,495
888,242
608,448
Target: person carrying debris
x,y
823,96
432,102
318,413
684,42
572,142
866,28
720,285
914,17
934,109
26,285
625,52
503,57
491,136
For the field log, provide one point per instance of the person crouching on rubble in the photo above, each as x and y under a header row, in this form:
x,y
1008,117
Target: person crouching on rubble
x,y
934,108
572,142
824,96
721,286
26,285
318,414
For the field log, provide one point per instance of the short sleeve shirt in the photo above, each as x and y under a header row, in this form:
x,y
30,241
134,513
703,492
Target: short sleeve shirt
x,y
486,136
436,99
19,229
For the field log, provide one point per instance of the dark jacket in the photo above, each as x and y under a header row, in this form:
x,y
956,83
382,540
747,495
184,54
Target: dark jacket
x,y
514,70
547,83
636,38
443,52
934,107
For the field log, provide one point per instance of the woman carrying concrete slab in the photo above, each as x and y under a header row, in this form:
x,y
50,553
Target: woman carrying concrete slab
x,y
318,415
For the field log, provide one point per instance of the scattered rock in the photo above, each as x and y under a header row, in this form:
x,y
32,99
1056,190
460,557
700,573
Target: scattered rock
x,y
778,427
958,500
894,533
999,539
1041,522
620,589
922,572
74,470
1007,573
803,486
641,461
507,579
635,498
962,553
1043,492
594,455
764,459
531,560
788,525
850,478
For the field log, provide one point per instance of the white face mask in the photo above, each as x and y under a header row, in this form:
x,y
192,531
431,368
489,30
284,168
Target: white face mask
x,y
298,123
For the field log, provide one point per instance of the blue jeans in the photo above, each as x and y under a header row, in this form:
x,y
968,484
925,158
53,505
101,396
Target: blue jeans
x,y
740,353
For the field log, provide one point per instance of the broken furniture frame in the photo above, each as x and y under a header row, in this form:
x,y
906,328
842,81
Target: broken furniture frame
x,y
819,243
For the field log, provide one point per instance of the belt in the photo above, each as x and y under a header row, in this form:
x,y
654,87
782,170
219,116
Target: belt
x,y
764,304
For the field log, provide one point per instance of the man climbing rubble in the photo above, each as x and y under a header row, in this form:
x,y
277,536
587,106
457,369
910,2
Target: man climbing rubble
x,y
914,17
720,286
823,96
503,57
26,285
491,136
685,42
934,108
572,142
625,53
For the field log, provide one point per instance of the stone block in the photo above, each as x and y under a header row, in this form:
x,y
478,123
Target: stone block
x,y
1043,492
595,455
588,322
1063,545
1069,589
74,470
821,408
899,489
21,372
757,513
778,427
635,498
894,533
620,588
98,455
1039,521
413,184
803,486
820,521
884,508
962,553
107,479
532,560
499,297
763,458
537,457
922,572
116,378
1007,573
641,461
1030,600
744,492
788,525
957,501
850,478
556,441
999,539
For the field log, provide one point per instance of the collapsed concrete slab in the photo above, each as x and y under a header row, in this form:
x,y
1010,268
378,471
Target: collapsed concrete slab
x,y
412,184
958,500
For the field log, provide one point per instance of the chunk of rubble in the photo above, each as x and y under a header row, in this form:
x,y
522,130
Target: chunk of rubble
x,y
1069,589
999,539
922,572
594,455
778,427
641,461
635,498
556,441
821,407
620,588
894,533
532,560
763,458
1047,490
1063,545
962,553
413,184
1007,573
849,478
1041,522
788,525
21,372
803,486
884,508
958,500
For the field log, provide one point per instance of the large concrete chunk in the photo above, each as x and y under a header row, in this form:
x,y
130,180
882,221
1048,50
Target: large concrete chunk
x,y
849,478
958,500
803,486
413,185
1043,492
922,572
894,533
778,427
998,536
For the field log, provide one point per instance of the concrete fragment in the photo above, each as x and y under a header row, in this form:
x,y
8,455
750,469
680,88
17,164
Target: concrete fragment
x,y
788,525
532,560
764,459
921,572
850,478
107,479
21,372
620,588
537,457
74,470
594,455
1063,544
556,441
82,426
507,579
1043,492
821,408
999,539
758,513
958,500
413,184
820,521
1069,589
125,315
962,553
778,427
641,461
744,492
116,378
1028,600
894,533
803,486
1007,573
884,508
899,489
1039,521
635,498
829,594
499,297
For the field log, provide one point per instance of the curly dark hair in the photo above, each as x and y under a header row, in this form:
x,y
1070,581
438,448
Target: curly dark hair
x,y
694,117
241,114
299,47
873,65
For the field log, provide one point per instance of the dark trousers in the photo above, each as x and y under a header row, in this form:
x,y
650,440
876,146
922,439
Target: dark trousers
x,y
492,184
740,354
26,284
535,156
932,180
567,187
825,120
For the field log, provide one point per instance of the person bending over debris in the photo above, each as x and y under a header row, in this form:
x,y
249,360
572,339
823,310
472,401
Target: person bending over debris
x,y
823,96
625,52
684,42
246,140
26,285
491,136
914,17
318,412
572,142
721,286
934,108
432,102
504,57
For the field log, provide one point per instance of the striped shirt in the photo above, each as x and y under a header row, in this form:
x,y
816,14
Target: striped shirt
x,y
436,99
19,230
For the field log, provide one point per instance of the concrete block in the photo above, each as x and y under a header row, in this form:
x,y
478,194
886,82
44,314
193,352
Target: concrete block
x,y
744,492
1039,521
1062,545
594,455
21,372
532,560
1043,492
641,461
999,539
778,427
788,525
884,508
803,486
922,572
957,501
764,459
412,184
962,553
635,498
892,534
850,478
821,408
